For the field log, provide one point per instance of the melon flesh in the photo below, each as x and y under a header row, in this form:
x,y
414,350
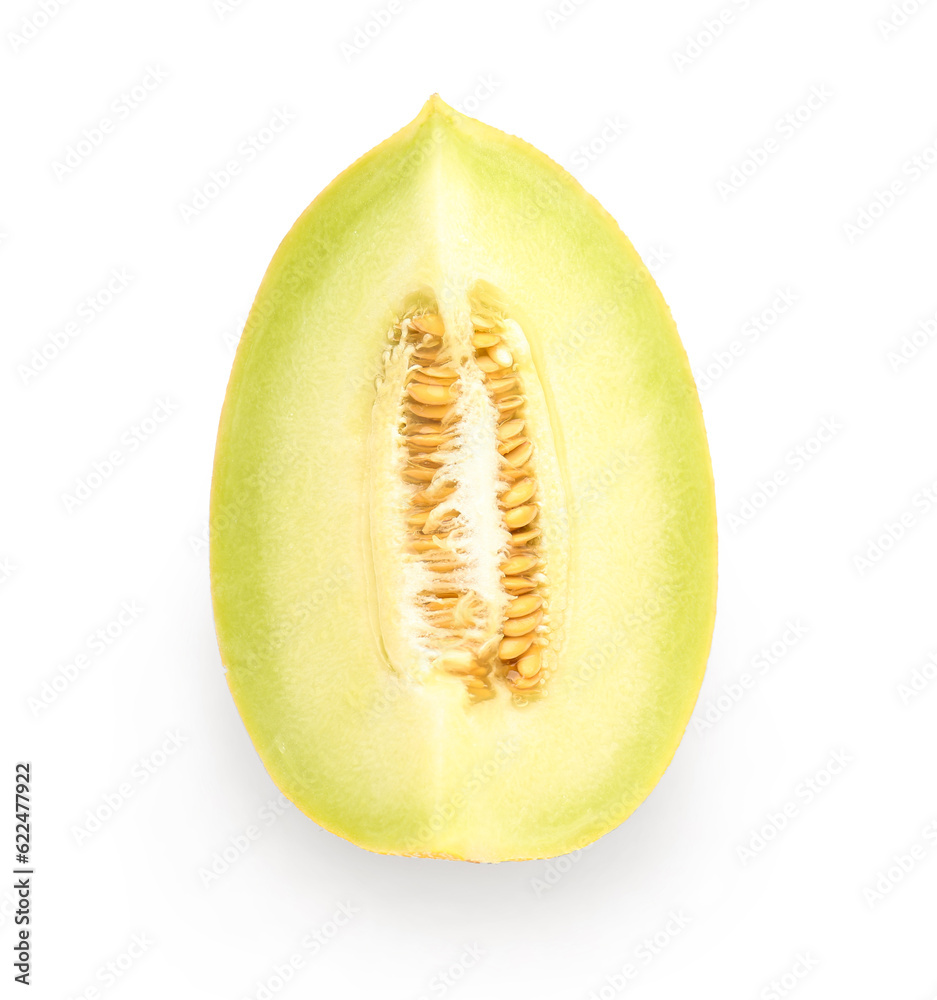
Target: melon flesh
x,y
321,610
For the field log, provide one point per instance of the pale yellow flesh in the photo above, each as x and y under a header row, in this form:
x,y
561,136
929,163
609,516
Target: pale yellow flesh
x,y
406,767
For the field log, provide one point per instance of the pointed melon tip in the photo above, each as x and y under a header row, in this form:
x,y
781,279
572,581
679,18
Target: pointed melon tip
x,y
437,113
435,105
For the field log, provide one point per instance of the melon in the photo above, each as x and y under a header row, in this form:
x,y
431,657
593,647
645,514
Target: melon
x,y
463,533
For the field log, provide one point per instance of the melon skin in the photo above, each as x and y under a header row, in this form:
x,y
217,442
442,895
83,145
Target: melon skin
x,y
409,768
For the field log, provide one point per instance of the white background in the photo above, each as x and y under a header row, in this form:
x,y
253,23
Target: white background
x,y
842,549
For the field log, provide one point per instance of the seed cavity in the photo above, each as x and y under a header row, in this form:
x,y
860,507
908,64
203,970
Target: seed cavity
x,y
467,576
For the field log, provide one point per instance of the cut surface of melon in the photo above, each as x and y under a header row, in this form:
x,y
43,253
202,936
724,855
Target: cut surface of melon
x,y
463,545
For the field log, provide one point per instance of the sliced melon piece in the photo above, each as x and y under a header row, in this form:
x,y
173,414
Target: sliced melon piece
x,y
463,547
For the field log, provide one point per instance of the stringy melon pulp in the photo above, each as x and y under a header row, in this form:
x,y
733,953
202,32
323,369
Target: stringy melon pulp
x,y
468,510
386,685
